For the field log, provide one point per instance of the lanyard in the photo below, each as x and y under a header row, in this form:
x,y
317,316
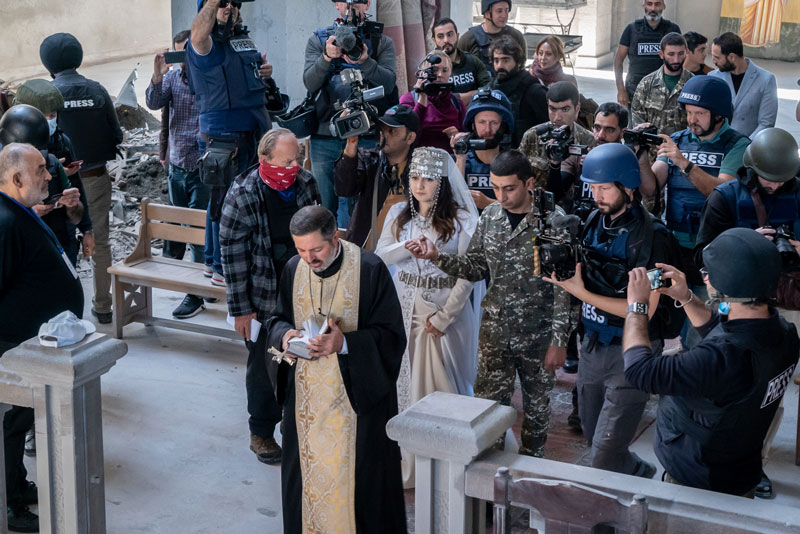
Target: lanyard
x,y
48,231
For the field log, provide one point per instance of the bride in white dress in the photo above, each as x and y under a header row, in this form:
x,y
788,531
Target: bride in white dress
x,y
441,324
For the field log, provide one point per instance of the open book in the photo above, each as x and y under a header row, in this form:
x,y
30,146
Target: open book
x,y
298,346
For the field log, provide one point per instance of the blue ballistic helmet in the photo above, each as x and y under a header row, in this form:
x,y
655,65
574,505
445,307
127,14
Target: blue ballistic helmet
x,y
708,92
612,162
489,100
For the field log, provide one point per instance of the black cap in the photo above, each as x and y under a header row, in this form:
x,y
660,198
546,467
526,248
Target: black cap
x,y
401,116
742,263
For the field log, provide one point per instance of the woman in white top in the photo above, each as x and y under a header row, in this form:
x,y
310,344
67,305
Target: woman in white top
x,y
441,323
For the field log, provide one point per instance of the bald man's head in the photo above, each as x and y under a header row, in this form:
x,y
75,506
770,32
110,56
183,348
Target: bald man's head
x,y
23,174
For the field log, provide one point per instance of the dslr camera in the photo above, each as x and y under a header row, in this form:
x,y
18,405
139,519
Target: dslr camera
x,y
351,32
644,138
237,3
558,247
363,116
560,148
789,256
430,86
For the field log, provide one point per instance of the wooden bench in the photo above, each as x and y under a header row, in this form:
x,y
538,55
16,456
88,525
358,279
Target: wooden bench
x,y
134,278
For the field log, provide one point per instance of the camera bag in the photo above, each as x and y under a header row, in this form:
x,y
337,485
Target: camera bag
x,y
217,165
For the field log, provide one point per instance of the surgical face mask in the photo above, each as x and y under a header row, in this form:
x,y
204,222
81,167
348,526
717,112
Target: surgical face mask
x,y
52,124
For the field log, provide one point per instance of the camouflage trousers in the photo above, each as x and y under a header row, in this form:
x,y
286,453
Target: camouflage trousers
x,y
499,361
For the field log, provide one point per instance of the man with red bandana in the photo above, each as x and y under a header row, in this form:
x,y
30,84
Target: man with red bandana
x,y
256,245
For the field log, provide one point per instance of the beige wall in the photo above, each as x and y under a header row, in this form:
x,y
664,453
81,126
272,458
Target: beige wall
x,y
106,28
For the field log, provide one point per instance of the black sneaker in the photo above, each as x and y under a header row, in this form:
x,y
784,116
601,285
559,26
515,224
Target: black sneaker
x,y
645,469
211,300
102,317
21,519
764,489
30,493
30,443
191,306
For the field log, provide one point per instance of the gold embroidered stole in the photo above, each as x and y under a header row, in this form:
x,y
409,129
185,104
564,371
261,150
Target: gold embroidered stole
x,y
326,422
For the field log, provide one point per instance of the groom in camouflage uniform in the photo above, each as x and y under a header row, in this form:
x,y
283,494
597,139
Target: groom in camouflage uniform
x,y
526,321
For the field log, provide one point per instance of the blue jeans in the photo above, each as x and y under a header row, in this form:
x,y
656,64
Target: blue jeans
x,y
325,151
186,191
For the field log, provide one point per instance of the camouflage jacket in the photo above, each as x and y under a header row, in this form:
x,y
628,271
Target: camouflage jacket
x,y
519,306
654,104
535,151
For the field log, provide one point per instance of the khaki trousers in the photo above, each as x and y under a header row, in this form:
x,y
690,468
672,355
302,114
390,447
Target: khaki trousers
x,y
98,195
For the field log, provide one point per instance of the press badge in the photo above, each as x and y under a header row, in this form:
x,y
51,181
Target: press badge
x,y
243,45
69,264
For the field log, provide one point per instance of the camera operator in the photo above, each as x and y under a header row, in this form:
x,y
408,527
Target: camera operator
x,y
324,62
489,121
441,113
377,177
550,157
479,39
719,398
527,96
691,163
765,197
509,342
227,75
617,236
469,72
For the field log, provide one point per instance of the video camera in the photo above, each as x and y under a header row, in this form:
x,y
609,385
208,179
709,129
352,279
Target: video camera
x,y
363,117
558,247
561,148
644,138
430,86
470,142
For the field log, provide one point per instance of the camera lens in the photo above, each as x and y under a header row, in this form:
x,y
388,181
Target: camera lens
x,y
554,254
355,123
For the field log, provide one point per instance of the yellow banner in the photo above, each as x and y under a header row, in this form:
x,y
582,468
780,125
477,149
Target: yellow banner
x,y
736,8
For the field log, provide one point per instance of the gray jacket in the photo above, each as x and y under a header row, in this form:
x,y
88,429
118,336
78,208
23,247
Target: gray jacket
x,y
376,72
755,106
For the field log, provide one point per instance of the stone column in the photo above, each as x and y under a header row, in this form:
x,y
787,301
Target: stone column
x,y
69,428
446,432
3,497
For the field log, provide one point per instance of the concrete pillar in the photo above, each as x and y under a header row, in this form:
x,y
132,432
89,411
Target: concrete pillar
x,y
69,428
446,432
4,519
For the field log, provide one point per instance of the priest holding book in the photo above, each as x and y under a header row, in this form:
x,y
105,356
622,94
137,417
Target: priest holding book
x,y
338,463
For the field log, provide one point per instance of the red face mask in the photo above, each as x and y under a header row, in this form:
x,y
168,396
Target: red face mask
x,y
278,178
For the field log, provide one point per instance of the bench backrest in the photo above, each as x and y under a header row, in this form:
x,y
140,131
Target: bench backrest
x,y
168,223
565,506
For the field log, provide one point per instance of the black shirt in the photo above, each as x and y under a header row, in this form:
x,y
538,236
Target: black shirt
x,y
35,282
515,218
737,80
279,213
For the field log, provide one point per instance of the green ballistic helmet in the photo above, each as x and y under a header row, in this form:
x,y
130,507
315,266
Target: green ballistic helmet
x,y
773,155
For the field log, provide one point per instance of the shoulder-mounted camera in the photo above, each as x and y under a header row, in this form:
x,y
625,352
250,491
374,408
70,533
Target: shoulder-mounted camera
x,y
363,116
557,247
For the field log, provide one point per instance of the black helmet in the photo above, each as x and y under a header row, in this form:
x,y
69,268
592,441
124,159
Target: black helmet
x,y
742,265
302,121
708,92
773,155
60,52
486,5
24,124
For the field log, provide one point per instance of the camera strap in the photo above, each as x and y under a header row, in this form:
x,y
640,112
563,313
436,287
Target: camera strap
x,y
761,211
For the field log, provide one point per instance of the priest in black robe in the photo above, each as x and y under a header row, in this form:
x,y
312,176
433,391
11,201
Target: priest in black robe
x,y
340,472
